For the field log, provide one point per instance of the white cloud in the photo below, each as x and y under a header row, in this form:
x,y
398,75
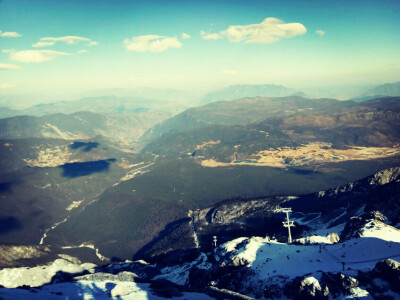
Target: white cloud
x,y
4,86
210,36
229,72
270,30
35,56
82,51
185,36
70,40
42,44
320,32
9,67
152,43
9,34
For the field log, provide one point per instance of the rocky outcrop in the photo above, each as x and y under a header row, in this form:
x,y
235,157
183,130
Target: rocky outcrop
x,y
24,255
355,226
388,270
380,178
385,176
124,276
333,237
306,288
228,211
377,216
339,284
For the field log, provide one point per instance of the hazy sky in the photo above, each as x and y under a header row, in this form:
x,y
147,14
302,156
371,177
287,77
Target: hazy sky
x,y
61,48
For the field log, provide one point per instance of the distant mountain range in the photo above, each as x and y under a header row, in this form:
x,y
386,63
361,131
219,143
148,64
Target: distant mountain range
x,y
234,92
126,127
237,112
243,91
387,89
346,124
102,104
119,101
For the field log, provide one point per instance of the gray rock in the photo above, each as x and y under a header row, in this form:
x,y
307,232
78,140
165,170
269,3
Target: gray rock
x,y
306,288
120,277
239,261
385,176
333,237
348,283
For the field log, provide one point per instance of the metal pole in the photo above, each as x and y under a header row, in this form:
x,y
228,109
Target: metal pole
x,y
288,223
290,234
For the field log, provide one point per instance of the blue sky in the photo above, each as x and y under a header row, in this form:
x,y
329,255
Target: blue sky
x,y
61,48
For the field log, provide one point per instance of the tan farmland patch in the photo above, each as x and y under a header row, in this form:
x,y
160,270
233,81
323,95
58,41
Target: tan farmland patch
x,y
51,157
310,153
74,204
207,143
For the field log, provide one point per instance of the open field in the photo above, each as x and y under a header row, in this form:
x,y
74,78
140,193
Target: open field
x,y
311,153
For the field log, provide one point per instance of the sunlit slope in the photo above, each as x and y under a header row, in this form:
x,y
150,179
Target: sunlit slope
x,y
368,130
44,181
238,112
81,125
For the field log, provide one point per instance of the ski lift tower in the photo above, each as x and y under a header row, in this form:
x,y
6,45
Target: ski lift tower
x,y
288,223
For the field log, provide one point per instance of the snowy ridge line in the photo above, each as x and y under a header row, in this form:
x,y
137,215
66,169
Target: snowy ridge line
x,y
195,239
98,254
230,294
51,228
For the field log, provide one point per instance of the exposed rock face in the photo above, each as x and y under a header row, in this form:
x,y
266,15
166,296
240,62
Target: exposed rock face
x,y
348,283
333,237
389,270
378,216
339,284
374,197
380,178
227,212
124,276
239,261
11,252
354,226
11,255
385,176
308,288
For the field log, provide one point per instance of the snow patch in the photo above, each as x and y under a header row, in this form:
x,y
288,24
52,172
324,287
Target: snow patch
x,y
89,290
37,276
316,239
180,274
377,229
232,245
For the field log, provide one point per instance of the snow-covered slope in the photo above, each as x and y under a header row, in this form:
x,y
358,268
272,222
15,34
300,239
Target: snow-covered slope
x,y
37,276
62,280
272,260
93,290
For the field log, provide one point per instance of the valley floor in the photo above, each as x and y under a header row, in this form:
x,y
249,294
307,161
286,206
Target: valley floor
x,y
311,153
